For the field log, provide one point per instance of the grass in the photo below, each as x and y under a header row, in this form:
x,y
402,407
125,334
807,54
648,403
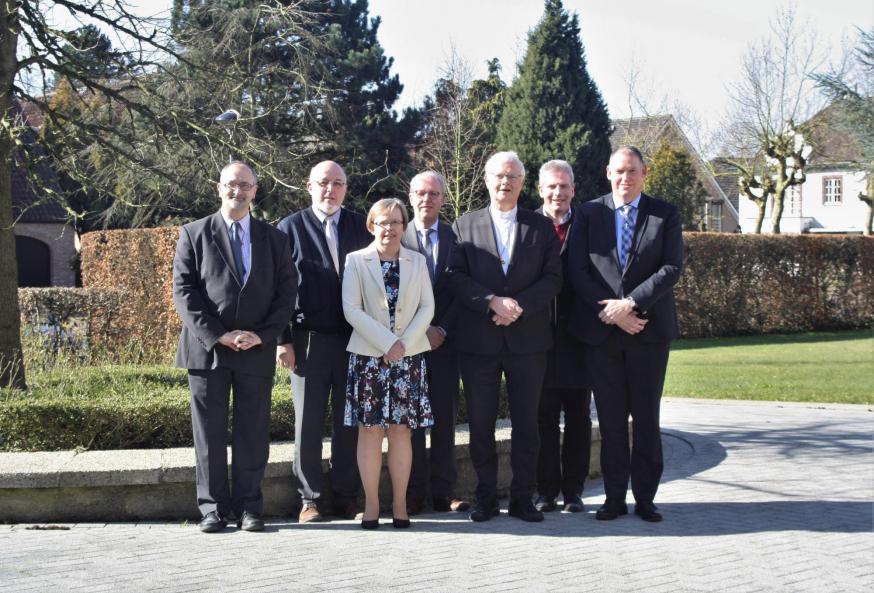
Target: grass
x,y
827,367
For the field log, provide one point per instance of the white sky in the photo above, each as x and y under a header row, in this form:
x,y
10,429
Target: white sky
x,y
687,50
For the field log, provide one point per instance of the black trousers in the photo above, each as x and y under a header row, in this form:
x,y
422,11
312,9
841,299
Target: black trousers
x,y
481,375
563,465
627,376
443,376
321,367
250,442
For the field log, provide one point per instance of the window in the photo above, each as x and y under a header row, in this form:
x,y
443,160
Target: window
x,y
793,202
716,217
832,190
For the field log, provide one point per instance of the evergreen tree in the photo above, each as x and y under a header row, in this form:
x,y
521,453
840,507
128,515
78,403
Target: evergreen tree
x,y
672,177
554,110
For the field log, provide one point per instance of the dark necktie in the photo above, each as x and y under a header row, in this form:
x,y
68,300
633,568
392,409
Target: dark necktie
x,y
628,212
429,252
237,249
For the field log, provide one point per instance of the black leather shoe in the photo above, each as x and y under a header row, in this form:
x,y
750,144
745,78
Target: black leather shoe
x,y
250,522
212,522
483,511
611,509
400,523
369,523
573,504
545,504
414,505
647,511
524,509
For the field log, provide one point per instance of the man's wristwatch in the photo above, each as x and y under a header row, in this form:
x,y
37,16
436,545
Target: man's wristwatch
x,y
632,303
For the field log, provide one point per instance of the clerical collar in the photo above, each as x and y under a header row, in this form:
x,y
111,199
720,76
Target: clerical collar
x,y
497,215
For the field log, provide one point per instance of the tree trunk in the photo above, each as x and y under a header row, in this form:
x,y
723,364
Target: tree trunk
x,y
761,215
11,360
777,212
869,200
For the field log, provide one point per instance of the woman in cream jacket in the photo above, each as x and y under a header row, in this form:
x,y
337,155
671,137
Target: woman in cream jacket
x,y
388,301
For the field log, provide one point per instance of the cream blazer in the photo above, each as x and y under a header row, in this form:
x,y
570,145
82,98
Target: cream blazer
x,y
366,306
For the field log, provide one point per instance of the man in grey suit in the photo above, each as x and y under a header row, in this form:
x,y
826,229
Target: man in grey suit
x,y
234,287
626,258
315,346
434,239
563,464
504,271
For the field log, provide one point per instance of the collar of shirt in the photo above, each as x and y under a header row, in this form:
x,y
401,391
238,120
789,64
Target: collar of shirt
x,y
322,216
617,203
420,227
245,223
503,218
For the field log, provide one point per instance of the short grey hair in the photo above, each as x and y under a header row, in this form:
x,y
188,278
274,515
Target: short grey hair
x,y
434,175
556,165
240,164
503,157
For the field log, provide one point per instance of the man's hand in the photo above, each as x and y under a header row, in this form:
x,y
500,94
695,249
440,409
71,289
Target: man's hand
x,y
246,339
614,310
229,339
285,356
436,336
502,321
505,307
632,324
395,353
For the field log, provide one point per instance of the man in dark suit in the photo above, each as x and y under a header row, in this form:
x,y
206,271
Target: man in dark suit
x,y
626,258
563,464
504,271
315,346
434,239
234,287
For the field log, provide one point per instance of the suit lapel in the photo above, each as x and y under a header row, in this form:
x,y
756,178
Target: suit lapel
x,y
223,242
609,223
405,269
523,228
639,229
374,269
444,245
258,245
483,227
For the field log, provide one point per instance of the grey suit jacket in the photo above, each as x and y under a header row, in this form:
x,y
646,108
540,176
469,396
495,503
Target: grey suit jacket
x,y
211,301
533,278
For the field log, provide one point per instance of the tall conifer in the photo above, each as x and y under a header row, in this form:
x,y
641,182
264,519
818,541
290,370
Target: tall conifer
x,y
555,110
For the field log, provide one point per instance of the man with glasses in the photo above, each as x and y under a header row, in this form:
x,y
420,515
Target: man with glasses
x,y
504,272
434,239
234,287
314,347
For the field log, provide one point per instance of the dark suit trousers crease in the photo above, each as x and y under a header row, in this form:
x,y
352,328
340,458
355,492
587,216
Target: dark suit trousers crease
x,y
627,376
563,464
321,366
481,375
250,443
443,377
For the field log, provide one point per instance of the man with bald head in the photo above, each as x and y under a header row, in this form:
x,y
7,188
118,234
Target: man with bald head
x,y
504,272
626,257
434,239
314,347
234,287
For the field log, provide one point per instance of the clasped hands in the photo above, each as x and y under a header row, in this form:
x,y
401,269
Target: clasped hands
x,y
620,312
239,339
506,310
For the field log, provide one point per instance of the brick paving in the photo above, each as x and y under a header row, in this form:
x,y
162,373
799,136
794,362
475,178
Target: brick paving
x,y
756,497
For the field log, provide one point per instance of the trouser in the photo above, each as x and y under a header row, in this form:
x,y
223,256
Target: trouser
x,y
563,464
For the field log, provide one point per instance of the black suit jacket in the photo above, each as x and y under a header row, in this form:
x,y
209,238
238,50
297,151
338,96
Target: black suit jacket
x,y
445,306
652,269
319,304
564,365
211,301
533,279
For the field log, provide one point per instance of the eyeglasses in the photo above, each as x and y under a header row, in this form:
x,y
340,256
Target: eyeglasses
x,y
327,184
388,224
506,176
427,194
238,186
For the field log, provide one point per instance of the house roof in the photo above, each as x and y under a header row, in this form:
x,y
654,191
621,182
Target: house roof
x,y
834,137
29,201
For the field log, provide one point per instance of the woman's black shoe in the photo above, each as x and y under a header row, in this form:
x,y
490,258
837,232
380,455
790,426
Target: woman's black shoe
x,y
369,523
400,523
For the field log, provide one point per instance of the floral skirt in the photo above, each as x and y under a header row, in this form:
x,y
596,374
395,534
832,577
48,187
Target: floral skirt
x,y
380,393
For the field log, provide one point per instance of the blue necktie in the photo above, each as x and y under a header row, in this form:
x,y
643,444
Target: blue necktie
x,y
237,249
629,214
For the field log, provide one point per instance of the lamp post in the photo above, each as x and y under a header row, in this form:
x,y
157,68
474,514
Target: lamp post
x,y
229,119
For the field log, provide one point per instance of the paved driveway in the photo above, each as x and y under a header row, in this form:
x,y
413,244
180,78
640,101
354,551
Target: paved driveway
x,y
756,497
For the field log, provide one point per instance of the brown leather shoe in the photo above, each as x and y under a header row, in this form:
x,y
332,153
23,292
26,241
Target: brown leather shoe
x,y
309,514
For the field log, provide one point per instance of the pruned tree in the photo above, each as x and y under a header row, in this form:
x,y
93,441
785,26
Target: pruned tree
x,y
773,94
458,134
851,86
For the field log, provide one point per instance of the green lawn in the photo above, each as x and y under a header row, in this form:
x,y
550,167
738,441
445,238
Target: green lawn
x,y
836,367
